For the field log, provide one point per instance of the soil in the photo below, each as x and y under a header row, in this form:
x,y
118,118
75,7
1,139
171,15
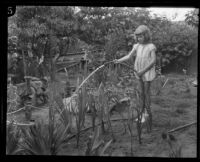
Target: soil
x,y
172,108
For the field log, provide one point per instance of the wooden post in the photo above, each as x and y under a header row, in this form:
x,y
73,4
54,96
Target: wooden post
x,y
79,68
24,64
85,68
28,112
52,80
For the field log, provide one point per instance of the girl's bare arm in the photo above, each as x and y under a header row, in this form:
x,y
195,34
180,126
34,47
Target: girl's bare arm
x,y
125,58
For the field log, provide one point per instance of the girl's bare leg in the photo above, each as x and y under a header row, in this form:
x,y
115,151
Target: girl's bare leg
x,y
148,101
142,93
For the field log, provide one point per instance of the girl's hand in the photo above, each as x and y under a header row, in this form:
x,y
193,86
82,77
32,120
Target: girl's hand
x,y
140,74
115,61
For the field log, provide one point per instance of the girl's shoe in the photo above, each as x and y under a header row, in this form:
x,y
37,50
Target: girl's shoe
x,y
144,117
194,83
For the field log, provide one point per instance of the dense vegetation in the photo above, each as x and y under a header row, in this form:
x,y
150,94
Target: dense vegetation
x,y
53,31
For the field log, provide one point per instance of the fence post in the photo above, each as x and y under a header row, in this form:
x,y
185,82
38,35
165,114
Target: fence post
x,y
28,112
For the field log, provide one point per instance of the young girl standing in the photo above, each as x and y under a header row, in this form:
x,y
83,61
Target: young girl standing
x,y
144,65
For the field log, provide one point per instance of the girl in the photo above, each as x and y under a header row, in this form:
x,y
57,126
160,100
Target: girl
x,y
144,65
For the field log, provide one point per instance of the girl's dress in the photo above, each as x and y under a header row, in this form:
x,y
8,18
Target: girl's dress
x,y
143,58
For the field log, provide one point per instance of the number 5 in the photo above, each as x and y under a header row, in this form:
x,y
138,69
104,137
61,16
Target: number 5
x,y
10,10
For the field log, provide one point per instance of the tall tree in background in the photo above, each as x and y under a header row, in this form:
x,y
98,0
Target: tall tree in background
x,y
53,31
45,31
192,18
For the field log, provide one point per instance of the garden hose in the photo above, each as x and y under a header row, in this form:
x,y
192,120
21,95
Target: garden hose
x,y
98,68
92,73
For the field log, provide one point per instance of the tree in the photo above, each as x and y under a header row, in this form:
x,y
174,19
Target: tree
x,y
53,31
45,31
192,18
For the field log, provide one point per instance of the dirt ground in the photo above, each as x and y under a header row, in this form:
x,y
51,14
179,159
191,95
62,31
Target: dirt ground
x,y
173,107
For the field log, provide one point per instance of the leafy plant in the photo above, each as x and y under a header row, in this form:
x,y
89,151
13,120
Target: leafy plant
x,y
175,150
95,145
92,108
64,114
101,106
12,139
46,138
37,140
176,153
120,106
80,116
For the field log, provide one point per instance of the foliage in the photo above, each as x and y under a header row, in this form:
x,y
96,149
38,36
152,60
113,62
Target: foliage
x,y
180,45
192,18
80,116
96,146
44,30
49,30
12,139
64,115
38,141
101,105
12,98
175,149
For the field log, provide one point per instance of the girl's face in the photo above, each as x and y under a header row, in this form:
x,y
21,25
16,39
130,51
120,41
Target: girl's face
x,y
140,38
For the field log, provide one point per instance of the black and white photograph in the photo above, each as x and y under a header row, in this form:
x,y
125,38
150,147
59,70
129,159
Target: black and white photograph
x,y
114,81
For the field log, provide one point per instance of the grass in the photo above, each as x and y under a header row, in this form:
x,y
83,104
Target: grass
x,y
162,102
171,82
181,108
173,92
161,118
192,132
188,96
183,105
180,111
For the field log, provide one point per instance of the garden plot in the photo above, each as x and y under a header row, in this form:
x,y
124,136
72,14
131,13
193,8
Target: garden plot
x,y
170,109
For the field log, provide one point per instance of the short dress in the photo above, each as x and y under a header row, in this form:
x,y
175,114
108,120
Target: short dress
x,y
143,58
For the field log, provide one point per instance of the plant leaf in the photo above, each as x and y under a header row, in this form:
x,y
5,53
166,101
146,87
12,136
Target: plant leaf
x,y
97,144
105,147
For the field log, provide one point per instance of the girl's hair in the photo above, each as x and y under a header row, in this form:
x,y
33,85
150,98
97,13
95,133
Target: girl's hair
x,y
145,31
